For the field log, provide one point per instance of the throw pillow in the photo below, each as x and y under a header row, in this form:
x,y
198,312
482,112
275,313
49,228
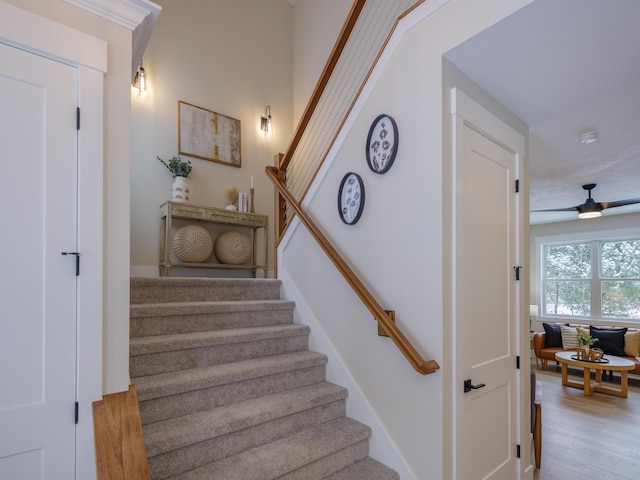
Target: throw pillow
x,y
610,341
553,335
632,344
569,337
582,330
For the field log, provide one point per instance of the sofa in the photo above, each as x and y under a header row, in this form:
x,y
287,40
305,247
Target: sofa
x,y
558,337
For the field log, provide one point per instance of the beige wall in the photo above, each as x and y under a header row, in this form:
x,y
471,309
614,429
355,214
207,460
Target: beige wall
x,y
116,179
232,57
316,26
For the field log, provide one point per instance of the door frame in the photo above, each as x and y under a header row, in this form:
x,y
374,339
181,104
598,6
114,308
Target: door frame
x,y
88,54
464,110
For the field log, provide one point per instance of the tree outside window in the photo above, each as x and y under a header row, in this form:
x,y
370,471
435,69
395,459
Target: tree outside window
x,y
599,279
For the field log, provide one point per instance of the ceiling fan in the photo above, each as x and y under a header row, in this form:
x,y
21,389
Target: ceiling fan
x,y
590,208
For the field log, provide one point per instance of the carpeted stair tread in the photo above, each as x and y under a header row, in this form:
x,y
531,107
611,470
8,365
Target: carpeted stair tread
x,y
183,341
175,433
164,384
177,289
286,457
183,317
366,469
184,308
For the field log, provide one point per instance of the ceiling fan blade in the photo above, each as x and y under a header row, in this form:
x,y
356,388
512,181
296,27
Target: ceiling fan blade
x,y
620,203
568,209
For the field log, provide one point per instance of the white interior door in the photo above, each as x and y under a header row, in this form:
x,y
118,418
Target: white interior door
x,y
38,211
486,298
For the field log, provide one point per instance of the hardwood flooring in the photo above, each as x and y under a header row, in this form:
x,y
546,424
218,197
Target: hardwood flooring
x,y
588,438
120,450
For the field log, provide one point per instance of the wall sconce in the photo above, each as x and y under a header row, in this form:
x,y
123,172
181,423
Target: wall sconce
x,y
140,80
265,122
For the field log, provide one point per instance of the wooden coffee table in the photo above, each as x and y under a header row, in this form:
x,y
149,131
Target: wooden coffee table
x,y
615,364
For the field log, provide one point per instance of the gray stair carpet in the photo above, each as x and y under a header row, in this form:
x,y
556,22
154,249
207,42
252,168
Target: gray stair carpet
x,y
228,389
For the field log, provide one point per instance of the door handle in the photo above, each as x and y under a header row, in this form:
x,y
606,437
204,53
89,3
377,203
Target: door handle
x,y
468,387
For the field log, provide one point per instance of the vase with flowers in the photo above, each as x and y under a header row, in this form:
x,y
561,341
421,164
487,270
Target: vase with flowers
x,y
180,170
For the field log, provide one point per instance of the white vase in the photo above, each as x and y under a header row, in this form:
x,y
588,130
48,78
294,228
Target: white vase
x,y
180,190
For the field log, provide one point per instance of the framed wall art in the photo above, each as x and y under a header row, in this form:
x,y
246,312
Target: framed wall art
x,y
351,198
382,144
208,135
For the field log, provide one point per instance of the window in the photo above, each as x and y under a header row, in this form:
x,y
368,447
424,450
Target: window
x,y
598,279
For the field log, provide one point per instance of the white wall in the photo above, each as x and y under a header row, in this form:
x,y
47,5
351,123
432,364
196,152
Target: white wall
x,y
397,246
607,226
232,57
316,26
116,180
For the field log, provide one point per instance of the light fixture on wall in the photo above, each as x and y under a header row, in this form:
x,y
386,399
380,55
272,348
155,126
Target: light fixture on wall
x,y
140,80
265,122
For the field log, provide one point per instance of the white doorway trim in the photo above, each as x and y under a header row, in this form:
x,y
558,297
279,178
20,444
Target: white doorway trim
x,y
39,35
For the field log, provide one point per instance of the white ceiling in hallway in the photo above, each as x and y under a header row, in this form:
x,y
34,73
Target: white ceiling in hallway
x,y
563,67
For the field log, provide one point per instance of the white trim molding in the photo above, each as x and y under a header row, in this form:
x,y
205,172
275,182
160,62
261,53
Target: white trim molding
x,y
140,16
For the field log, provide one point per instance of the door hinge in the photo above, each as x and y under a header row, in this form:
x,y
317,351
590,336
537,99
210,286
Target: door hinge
x,y
518,362
517,270
518,186
77,254
77,118
518,450
77,414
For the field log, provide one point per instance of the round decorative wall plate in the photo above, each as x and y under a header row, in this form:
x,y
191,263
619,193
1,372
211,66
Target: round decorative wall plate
x,y
351,198
382,144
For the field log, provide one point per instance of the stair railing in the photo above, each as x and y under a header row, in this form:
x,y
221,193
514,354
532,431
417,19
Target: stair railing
x,y
364,35
408,350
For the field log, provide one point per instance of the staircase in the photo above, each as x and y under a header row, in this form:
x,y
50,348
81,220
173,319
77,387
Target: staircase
x,y
228,389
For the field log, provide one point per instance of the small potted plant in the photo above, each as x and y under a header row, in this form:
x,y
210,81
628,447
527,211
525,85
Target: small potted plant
x,y
177,167
586,341
180,170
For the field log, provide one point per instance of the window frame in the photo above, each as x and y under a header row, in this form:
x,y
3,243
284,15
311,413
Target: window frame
x,y
595,239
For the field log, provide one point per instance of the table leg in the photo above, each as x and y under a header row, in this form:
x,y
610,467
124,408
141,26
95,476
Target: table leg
x,y
587,382
565,374
624,383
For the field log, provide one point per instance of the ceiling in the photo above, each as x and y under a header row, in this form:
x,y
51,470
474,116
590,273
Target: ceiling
x,y
565,67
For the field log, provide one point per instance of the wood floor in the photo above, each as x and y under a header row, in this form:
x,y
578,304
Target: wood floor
x,y
588,438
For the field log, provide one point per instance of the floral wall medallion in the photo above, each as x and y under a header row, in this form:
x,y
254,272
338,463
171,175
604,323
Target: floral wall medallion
x,y
382,144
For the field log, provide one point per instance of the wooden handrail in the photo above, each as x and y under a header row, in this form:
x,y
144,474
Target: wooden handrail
x,y
415,359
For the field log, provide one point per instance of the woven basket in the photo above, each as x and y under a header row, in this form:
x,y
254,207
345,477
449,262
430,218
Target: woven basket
x,y
233,248
192,244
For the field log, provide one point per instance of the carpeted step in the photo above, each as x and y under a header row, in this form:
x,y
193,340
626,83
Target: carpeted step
x,y
184,317
180,444
175,394
167,353
313,453
367,469
176,289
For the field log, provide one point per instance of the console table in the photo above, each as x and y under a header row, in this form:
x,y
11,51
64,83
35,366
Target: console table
x,y
185,213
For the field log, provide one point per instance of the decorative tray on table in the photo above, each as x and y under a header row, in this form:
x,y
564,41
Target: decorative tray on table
x,y
599,360
593,355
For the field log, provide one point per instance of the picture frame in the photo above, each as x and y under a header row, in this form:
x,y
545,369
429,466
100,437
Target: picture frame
x,y
208,135
351,198
382,144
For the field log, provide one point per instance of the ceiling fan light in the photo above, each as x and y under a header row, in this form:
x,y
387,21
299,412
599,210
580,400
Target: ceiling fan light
x,y
590,214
